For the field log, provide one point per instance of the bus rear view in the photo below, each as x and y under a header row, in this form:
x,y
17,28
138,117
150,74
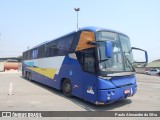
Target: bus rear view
x,y
97,67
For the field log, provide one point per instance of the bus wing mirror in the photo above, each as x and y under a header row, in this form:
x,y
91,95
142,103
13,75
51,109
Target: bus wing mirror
x,y
146,54
108,49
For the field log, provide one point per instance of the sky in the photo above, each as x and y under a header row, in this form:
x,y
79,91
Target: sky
x,y
27,23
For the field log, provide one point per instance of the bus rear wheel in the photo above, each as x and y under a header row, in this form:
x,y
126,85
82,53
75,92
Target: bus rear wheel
x,y
29,76
26,75
67,88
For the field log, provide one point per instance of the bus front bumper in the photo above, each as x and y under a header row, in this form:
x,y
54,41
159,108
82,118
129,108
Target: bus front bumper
x,y
112,95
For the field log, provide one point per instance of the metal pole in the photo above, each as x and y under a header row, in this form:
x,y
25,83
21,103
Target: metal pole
x,y
77,10
77,19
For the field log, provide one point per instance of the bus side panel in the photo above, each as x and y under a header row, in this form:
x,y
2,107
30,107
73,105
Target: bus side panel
x,y
44,70
84,84
39,78
71,70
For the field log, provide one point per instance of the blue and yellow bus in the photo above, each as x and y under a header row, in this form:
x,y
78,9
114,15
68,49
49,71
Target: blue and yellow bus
x,y
92,63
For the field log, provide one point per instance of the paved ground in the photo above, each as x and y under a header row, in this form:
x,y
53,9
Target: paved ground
x,y
37,97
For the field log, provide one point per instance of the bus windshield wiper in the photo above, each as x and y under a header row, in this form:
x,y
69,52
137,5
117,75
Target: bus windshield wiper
x,y
103,60
128,62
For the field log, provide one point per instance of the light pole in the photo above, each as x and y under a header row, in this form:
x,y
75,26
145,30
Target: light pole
x,y
77,10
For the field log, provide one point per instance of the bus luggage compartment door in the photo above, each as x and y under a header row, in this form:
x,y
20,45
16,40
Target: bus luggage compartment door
x,y
90,87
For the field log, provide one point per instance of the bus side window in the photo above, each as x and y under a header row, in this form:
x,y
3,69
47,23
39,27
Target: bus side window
x,y
89,61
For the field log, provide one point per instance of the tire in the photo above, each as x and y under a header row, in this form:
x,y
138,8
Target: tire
x,y
67,88
157,74
30,76
26,75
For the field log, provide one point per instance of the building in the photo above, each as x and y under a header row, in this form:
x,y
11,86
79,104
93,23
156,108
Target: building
x,y
153,65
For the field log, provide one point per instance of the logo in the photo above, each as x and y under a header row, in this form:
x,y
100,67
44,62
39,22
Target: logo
x,y
6,114
90,90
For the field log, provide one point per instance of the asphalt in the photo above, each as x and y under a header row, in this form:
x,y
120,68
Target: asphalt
x,y
19,94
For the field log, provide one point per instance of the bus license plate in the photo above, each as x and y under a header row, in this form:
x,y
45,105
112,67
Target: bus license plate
x,y
126,91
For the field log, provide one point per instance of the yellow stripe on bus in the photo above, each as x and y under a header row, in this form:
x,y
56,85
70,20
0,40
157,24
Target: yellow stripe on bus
x,y
48,72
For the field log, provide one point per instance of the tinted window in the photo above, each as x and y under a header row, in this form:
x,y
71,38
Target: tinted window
x,y
51,49
89,62
25,55
34,54
86,59
41,51
59,47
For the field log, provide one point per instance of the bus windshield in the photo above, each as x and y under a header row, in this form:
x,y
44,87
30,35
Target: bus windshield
x,y
121,60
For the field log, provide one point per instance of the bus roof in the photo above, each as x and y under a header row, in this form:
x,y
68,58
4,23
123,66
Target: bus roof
x,y
96,29
88,28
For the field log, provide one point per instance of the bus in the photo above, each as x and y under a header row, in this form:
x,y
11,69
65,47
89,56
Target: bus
x,y
91,63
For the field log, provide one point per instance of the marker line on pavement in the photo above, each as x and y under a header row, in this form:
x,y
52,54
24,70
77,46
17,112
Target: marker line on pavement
x,y
10,91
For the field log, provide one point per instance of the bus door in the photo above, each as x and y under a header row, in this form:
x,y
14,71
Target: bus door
x,y
89,75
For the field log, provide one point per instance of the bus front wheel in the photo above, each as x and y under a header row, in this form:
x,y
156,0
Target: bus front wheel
x,y
67,88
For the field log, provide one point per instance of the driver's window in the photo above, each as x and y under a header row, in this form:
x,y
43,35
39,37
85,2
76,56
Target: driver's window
x,y
89,61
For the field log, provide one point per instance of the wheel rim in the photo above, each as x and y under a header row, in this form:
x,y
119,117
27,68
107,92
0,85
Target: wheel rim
x,y
27,76
67,87
30,76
